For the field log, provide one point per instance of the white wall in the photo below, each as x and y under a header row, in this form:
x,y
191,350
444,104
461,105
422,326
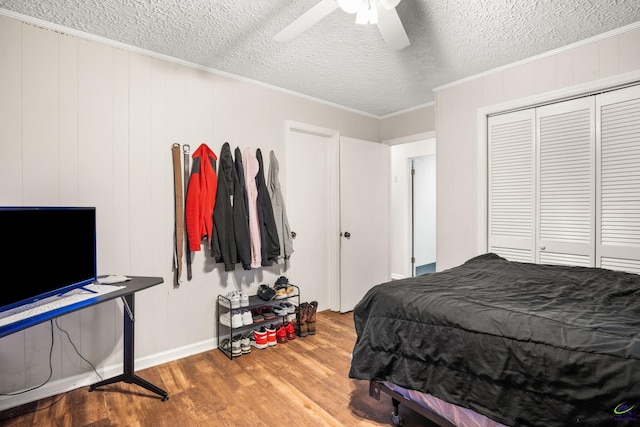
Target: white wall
x,y
84,122
461,207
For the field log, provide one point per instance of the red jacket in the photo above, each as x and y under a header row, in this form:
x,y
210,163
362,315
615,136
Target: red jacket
x,y
201,197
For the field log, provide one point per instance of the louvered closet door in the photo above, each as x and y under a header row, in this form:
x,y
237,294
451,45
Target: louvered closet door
x,y
618,163
511,185
566,182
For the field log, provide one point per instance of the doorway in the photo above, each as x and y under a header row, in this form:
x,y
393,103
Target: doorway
x,y
404,248
423,223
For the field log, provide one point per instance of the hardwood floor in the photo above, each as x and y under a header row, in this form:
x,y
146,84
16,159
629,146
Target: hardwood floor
x,y
301,383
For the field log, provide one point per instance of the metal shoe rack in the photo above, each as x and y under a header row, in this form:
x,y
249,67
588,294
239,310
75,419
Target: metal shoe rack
x,y
224,332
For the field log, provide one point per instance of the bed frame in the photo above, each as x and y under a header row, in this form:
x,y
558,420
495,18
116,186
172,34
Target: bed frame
x,y
376,387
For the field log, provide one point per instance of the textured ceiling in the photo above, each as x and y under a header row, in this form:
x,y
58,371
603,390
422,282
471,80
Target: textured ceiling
x,y
337,60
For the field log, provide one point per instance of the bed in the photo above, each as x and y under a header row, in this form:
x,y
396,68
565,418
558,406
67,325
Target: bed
x,y
519,344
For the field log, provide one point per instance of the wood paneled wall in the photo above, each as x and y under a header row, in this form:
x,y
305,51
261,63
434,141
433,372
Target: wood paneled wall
x,y
85,122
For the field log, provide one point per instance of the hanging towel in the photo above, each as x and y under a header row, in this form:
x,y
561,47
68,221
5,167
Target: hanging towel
x,y
279,210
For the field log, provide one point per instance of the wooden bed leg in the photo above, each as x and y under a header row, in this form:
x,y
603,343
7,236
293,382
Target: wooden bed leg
x,y
396,419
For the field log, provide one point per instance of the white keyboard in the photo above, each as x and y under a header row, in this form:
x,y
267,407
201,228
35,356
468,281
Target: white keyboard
x,y
49,304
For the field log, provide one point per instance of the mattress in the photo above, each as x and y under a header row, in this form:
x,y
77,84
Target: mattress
x,y
523,344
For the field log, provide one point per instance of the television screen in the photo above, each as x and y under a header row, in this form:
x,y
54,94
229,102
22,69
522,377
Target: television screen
x,y
45,251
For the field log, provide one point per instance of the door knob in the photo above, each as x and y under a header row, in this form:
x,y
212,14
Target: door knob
x,y
293,234
347,234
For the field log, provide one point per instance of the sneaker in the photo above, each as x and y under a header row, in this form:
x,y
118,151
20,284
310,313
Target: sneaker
x,y
267,312
245,343
247,318
281,293
290,330
256,315
279,311
289,307
232,319
231,300
271,335
281,335
244,299
226,346
260,339
236,318
236,346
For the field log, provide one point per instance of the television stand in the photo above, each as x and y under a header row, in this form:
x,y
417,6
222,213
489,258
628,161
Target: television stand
x,y
128,376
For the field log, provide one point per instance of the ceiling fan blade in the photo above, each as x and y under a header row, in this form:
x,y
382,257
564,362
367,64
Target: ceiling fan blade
x,y
306,21
392,29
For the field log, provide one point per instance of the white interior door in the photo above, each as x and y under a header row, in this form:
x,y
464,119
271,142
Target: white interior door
x,y
312,209
364,218
328,183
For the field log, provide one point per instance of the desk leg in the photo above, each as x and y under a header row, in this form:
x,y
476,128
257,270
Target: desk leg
x,y
128,375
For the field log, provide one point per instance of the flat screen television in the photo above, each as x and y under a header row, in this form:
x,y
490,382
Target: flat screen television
x,y
45,251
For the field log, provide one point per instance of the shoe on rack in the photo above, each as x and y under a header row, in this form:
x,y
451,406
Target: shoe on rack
x,y
247,318
311,317
236,346
271,335
267,312
256,315
281,282
279,311
260,339
225,319
245,343
236,318
226,346
289,307
231,300
244,299
281,293
266,293
290,330
281,335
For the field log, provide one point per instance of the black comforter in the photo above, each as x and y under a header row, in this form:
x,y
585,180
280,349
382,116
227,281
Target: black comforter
x,y
524,344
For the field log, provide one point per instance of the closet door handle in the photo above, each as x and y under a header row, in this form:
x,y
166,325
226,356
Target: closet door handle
x,y
347,234
293,234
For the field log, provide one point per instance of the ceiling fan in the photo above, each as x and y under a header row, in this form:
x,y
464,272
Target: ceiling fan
x,y
380,12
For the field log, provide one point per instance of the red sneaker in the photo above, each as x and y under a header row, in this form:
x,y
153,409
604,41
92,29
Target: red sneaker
x,y
260,339
281,335
271,335
290,330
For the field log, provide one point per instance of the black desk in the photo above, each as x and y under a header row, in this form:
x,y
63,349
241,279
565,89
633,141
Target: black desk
x,y
137,283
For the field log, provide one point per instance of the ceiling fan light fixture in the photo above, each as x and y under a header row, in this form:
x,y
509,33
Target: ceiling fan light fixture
x,y
368,13
350,6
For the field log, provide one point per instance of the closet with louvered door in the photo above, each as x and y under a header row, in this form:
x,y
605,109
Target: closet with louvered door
x,y
512,185
618,178
579,204
566,182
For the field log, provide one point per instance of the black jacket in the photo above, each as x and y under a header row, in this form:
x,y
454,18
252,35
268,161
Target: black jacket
x,y
268,231
230,228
